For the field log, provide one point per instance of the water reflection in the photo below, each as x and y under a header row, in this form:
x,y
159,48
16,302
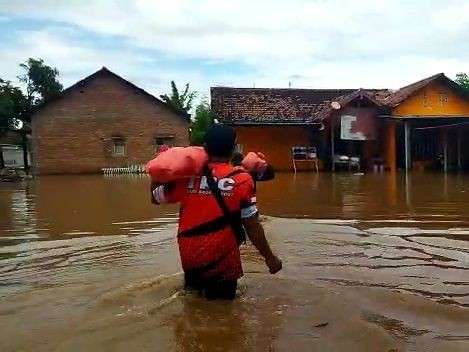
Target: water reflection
x,y
67,242
70,206
366,197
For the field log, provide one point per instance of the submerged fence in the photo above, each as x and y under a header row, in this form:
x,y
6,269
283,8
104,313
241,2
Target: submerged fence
x,y
133,169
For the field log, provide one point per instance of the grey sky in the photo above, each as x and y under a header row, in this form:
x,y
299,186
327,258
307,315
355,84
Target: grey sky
x,y
241,43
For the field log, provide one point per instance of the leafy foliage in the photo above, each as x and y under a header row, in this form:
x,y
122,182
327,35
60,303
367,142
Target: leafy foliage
x,y
204,118
41,81
42,85
463,80
179,102
13,105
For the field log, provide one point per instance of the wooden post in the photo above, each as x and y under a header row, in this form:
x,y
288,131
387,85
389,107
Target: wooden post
x,y
459,150
24,142
445,150
407,145
390,145
2,162
332,143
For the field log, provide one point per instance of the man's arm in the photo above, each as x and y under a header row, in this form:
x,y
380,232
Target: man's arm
x,y
171,192
256,234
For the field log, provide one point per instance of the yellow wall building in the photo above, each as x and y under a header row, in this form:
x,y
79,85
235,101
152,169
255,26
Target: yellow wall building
x,y
432,116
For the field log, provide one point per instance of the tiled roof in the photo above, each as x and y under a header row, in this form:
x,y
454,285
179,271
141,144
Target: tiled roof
x,y
375,96
403,93
281,106
302,106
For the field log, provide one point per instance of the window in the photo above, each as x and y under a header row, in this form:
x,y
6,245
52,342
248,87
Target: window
x,y
118,147
443,98
162,142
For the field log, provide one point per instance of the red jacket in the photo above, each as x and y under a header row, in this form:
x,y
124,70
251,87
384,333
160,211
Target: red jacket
x,y
210,250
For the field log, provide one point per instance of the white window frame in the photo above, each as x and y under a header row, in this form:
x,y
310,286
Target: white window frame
x,y
119,147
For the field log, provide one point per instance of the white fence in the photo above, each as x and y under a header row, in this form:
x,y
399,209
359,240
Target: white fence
x,y
133,169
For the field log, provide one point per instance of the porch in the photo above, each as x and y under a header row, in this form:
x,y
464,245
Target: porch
x,y
432,143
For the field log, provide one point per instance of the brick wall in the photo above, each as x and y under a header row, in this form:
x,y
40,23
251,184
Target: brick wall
x,y
74,134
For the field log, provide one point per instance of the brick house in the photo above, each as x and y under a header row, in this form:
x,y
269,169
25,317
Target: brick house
x,y
102,121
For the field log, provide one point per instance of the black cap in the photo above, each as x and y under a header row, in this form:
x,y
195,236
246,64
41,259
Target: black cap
x,y
220,141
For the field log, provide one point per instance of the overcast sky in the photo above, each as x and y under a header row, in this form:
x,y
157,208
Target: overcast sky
x,y
266,43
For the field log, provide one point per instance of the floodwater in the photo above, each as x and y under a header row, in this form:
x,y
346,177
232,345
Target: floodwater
x,y
371,263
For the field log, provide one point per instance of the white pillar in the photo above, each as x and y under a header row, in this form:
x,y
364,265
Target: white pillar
x,y
407,145
408,198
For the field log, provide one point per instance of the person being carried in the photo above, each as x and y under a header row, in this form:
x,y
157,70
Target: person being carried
x,y
266,175
210,233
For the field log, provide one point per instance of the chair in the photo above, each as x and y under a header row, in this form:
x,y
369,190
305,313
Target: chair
x,y
304,154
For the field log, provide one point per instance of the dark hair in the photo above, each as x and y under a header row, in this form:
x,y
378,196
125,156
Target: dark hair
x,y
220,141
237,159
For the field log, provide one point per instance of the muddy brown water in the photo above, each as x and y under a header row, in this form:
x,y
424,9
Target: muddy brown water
x,y
371,263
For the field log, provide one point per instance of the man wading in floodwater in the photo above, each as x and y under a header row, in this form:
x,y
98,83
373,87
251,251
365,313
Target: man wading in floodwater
x,y
217,209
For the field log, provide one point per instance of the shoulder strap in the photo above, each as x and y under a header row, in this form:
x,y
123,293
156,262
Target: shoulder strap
x,y
235,225
212,185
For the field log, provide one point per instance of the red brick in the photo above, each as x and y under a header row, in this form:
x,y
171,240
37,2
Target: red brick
x,y
73,134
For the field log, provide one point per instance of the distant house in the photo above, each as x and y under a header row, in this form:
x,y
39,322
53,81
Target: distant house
x,y
420,125
103,121
276,120
12,145
430,125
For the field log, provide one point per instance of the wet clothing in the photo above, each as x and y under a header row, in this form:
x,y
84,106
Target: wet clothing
x,y
211,288
207,243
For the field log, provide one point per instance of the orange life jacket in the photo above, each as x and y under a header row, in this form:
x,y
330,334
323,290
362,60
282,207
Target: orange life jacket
x,y
207,242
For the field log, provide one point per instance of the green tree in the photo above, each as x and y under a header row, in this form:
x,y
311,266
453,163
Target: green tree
x,y
179,102
463,80
42,85
41,81
13,107
13,104
6,106
204,118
